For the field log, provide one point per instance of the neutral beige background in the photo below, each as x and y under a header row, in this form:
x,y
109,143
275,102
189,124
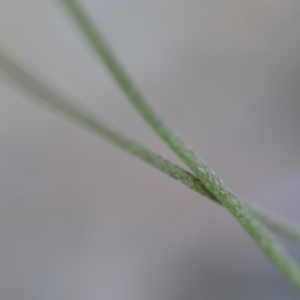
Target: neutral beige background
x,y
79,219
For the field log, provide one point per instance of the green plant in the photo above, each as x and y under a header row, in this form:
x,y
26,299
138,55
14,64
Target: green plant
x,y
204,181
208,178
52,99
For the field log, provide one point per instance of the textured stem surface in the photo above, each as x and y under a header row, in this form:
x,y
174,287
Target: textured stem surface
x,y
240,211
54,100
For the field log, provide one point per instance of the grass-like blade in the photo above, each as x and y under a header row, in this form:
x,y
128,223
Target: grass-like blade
x,y
47,96
208,178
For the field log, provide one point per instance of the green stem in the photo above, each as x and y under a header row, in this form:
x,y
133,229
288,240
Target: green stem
x,y
240,211
63,106
278,224
60,104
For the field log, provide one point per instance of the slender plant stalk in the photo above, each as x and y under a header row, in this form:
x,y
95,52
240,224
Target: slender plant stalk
x,y
240,211
52,99
60,104
278,224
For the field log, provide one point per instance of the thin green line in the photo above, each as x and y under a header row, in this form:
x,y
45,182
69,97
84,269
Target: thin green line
x,y
54,100
241,212
278,224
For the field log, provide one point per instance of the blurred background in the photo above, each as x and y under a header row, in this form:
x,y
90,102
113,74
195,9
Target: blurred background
x,y
80,219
